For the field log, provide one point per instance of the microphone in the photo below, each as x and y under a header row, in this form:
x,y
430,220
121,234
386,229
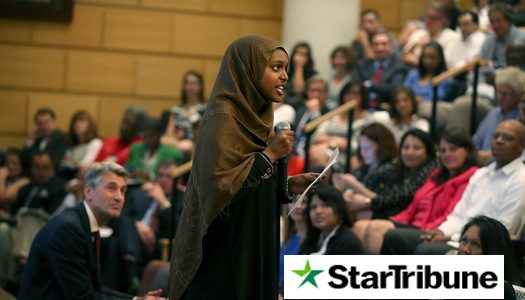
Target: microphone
x,y
282,166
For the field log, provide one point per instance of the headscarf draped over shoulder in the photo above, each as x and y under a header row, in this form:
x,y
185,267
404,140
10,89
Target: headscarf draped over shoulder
x,y
236,126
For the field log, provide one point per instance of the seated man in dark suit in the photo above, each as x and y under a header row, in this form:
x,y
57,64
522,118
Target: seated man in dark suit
x,y
146,218
64,258
45,137
382,74
46,190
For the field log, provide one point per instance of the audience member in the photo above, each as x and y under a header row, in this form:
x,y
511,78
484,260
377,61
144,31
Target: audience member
x,y
301,68
376,149
333,133
510,86
192,97
83,144
494,47
145,156
496,191
382,73
431,64
433,201
453,114
486,236
45,136
481,8
436,23
469,45
343,62
452,13
5,253
183,120
64,262
398,183
375,152
314,105
516,54
518,13
117,148
403,113
328,225
370,24
35,204
12,179
45,190
483,235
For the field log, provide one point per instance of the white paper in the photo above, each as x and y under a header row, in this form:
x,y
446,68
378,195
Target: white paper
x,y
331,162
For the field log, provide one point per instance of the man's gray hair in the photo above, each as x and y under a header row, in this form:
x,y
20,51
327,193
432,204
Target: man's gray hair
x,y
96,170
513,77
316,78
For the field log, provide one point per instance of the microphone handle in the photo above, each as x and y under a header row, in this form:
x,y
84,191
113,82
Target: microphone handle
x,y
282,170
282,180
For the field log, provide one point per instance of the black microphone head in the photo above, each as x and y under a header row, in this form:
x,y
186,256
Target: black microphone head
x,y
283,125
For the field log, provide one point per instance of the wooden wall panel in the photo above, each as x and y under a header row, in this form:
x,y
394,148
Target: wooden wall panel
x,y
86,30
12,117
196,5
137,30
277,8
161,76
211,70
262,8
101,72
31,67
411,10
133,3
203,35
64,105
15,31
268,28
10,140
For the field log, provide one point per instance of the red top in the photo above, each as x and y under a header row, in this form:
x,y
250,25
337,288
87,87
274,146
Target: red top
x,y
113,149
433,203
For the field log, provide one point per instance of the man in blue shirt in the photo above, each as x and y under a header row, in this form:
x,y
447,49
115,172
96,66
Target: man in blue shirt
x,y
510,86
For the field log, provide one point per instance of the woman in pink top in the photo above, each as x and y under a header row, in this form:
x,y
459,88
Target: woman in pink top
x,y
435,199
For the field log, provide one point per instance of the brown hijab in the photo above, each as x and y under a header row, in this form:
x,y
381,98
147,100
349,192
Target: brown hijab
x,y
236,126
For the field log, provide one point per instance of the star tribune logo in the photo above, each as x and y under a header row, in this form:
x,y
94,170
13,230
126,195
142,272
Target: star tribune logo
x,y
309,273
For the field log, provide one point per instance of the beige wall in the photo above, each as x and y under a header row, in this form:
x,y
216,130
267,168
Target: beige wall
x,y
116,53
337,25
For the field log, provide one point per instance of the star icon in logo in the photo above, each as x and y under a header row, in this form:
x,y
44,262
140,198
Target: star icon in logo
x,y
310,274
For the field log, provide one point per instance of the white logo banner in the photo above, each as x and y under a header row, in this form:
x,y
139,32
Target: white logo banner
x,y
393,276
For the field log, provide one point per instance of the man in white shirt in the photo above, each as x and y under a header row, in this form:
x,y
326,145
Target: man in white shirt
x,y
471,41
458,54
496,191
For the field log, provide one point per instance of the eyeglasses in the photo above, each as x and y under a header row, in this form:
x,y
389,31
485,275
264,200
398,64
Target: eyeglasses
x,y
506,137
433,17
